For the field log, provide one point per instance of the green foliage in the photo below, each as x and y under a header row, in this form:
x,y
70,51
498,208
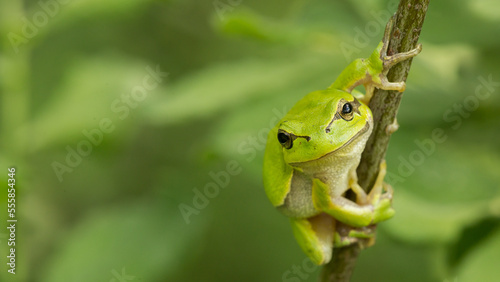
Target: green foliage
x,y
232,73
149,240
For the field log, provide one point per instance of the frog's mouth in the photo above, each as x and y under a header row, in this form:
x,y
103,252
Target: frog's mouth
x,y
360,133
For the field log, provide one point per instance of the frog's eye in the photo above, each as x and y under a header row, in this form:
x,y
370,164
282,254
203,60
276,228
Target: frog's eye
x,y
347,108
285,139
346,112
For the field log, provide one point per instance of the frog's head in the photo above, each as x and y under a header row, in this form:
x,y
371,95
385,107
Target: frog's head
x,y
322,123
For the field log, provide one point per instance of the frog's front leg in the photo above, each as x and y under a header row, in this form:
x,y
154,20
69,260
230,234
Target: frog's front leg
x,y
341,208
369,209
372,72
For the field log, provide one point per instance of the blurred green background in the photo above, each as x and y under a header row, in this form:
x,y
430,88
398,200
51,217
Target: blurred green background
x,y
127,207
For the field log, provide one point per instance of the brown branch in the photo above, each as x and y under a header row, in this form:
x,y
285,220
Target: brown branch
x,y
342,264
384,105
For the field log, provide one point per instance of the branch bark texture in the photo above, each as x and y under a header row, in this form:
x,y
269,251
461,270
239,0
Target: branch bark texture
x,y
384,105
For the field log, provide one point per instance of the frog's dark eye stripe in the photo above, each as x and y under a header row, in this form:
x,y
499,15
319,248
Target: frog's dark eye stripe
x,y
286,139
335,117
345,111
355,104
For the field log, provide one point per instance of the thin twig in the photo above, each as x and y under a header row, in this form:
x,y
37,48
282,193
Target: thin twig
x,y
384,105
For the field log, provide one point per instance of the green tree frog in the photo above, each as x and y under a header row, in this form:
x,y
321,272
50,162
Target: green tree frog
x,y
312,154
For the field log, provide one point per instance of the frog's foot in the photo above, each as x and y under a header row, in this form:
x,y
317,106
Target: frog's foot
x,y
381,196
383,208
346,235
315,236
389,61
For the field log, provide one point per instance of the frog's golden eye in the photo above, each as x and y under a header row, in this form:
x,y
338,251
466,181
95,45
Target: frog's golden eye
x,y
346,111
285,139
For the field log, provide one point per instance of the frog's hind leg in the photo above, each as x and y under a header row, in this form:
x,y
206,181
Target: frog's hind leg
x,y
378,207
315,236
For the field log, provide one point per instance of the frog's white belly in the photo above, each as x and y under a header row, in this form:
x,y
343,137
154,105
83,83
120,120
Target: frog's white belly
x,y
332,169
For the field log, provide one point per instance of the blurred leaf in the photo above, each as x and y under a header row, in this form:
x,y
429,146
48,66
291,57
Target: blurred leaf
x,y
95,7
85,98
471,237
45,17
488,9
482,263
147,240
469,23
366,8
247,23
443,63
420,221
224,86
418,162
73,11
458,194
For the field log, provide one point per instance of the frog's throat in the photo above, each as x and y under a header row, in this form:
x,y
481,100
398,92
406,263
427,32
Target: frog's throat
x,y
361,132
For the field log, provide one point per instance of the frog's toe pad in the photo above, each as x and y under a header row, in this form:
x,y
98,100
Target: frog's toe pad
x,y
383,210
